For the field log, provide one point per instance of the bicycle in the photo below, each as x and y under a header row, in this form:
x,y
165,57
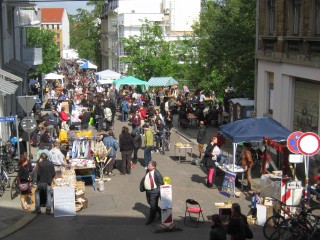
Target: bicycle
x,y
4,179
278,226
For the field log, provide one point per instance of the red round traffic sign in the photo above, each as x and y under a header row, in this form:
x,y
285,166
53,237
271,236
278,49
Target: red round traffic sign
x,y
292,141
309,143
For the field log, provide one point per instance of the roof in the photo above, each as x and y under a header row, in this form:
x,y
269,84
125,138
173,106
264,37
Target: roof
x,y
242,101
254,130
7,87
161,81
51,15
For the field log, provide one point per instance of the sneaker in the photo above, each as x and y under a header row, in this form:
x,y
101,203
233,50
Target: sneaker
x,y
37,211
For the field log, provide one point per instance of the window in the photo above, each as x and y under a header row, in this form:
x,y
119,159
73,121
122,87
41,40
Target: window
x,y
296,6
271,92
317,9
9,20
271,16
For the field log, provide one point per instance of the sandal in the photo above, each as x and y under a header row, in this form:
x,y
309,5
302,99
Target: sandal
x,y
24,207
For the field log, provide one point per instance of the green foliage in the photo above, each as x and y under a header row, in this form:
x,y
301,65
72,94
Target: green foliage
x,y
50,50
149,55
85,32
225,39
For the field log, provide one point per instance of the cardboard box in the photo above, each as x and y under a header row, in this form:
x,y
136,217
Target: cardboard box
x,y
263,213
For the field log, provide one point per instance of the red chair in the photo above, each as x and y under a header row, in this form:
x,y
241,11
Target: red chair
x,y
194,210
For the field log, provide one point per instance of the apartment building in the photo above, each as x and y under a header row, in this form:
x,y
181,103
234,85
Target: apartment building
x,y
288,63
56,19
123,18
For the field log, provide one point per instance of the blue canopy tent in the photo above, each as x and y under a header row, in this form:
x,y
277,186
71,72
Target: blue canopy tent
x,y
161,82
254,130
88,65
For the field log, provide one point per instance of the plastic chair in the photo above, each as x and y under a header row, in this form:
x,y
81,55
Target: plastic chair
x,y
194,208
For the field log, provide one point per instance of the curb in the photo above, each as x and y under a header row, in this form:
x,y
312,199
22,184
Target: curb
x,y
18,225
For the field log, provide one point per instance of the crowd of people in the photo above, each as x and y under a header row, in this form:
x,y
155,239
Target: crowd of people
x,y
82,103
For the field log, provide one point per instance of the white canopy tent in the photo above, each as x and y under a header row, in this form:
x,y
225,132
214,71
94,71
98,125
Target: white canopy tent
x,y
88,65
106,76
54,76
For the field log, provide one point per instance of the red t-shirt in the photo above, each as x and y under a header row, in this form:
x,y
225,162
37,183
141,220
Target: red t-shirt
x,y
64,116
143,113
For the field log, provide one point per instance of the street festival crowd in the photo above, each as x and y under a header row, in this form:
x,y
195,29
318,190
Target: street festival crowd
x,y
81,102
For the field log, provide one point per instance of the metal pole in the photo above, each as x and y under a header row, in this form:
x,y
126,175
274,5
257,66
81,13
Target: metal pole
x,y
17,131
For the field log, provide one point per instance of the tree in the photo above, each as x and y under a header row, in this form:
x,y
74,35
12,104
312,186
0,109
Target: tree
x,y
50,50
85,31
225,40
148,54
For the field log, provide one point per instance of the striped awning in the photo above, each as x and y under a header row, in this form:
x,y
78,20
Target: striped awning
x,y
7,87
4,74
161,82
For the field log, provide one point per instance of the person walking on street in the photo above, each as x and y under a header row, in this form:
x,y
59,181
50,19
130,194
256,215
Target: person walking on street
x,y
218,231
23,176
126,148
148,143
110,142
201,138
151,183
137,142
210,155
45,176
124,110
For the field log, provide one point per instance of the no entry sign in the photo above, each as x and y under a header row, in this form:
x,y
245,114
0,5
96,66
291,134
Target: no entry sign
x,y
309,143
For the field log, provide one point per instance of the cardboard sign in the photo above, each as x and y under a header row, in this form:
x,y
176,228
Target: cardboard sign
x,y
64,201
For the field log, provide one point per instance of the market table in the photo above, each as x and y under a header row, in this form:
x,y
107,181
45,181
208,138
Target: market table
x,y
181,147
81,165
233,169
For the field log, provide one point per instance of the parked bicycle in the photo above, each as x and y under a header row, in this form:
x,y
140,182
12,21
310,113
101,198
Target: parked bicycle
x,y
285,224
4,179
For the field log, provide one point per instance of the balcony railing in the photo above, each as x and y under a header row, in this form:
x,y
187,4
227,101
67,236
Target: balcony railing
x,y
32,56
293,47
314,49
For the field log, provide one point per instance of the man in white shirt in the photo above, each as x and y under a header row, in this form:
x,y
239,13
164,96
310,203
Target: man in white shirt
x,y
56,157
151,184
202,97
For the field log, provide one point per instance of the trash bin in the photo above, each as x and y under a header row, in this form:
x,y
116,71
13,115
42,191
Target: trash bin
x,y
244,109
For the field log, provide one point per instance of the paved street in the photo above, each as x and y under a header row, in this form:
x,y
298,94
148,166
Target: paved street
x,y
120,211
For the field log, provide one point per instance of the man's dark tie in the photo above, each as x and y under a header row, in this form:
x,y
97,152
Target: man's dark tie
x,y
151,181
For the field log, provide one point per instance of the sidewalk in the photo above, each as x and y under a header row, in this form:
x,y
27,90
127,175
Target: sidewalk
x,y
186,179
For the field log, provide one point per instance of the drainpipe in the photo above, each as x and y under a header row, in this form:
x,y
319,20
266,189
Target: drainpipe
x,y
256,58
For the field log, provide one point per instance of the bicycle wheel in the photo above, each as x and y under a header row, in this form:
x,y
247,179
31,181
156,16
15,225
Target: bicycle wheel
x,y
10,168
271,227
15,190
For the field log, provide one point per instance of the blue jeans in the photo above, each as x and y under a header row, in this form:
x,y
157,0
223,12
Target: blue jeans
x,y
147,155
49,198
124,116
137,129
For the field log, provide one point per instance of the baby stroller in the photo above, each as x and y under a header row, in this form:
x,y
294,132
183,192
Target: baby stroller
x,y
165,141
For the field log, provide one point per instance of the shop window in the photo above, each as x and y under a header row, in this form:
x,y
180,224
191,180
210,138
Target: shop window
x,y
306,106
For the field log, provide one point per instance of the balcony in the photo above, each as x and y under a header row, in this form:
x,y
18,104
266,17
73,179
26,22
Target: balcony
x,y
32,56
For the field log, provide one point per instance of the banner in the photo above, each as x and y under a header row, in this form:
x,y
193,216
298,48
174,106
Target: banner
x,y
228,185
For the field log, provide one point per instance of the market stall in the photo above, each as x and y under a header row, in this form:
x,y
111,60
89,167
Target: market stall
x,y
106,76
88,65
161,82
132,81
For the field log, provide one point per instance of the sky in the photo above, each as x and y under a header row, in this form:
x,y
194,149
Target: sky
x,y
70,6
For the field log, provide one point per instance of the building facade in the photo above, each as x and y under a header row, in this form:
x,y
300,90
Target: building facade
x,y
124,18
288,63
56,19
16,58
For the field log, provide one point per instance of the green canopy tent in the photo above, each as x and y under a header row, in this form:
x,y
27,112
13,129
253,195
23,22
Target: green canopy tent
x,y
161,82
128,81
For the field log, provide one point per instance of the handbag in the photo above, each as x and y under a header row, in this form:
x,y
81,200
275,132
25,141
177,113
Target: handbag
x,y
24,186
